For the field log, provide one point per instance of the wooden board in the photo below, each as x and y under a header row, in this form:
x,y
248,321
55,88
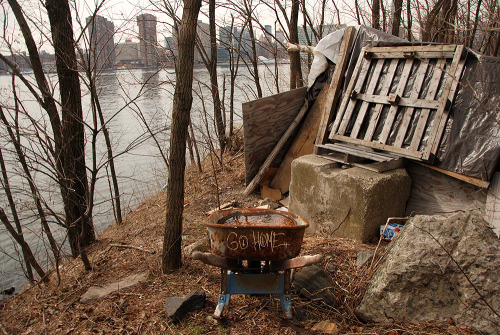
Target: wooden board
x,y
303,143
361,157
336,84
265,121
398,99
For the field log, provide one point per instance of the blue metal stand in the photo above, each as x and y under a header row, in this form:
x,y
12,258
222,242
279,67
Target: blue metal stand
x,y
254,283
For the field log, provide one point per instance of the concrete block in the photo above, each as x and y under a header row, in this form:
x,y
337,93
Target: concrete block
x,y
350,202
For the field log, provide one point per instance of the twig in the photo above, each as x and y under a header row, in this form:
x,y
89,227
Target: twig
x,y
344,220
132,247
4,332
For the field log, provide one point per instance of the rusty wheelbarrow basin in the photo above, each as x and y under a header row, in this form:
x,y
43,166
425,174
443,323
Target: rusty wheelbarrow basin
x,y
255,234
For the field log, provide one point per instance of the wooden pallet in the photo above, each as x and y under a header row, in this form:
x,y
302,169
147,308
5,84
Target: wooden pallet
x,y
384,110
360,157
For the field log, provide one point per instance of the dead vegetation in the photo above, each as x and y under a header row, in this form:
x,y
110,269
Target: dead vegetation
x,y
135,247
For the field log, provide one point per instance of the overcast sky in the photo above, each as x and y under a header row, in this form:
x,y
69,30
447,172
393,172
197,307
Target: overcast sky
x,y
124,12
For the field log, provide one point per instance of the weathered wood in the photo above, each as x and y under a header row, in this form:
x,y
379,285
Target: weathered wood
x,y
265,121
401,102
441,113
471,180
397,108
267,163
336,83
394,108
386,85
358,156
302,144
458,75
365,104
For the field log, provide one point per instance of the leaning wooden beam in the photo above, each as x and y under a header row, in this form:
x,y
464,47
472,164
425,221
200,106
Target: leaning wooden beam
x,y
471,180
336,84
267,163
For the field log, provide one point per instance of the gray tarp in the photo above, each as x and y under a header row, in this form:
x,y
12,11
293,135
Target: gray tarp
x,y
471,141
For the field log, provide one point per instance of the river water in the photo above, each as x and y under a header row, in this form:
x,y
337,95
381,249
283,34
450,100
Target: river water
x,y
130,99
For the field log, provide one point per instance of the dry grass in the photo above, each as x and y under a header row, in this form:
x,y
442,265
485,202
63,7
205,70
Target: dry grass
x,y
55,308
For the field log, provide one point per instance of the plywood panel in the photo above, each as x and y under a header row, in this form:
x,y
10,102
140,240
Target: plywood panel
x,y
265,121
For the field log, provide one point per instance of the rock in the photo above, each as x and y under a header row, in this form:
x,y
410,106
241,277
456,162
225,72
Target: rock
x,y
314,283
97,292
201,245
269,204
350,203
177,307
331,268
418,280
363,258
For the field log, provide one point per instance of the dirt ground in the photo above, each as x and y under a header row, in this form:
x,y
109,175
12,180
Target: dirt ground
x,y
55,308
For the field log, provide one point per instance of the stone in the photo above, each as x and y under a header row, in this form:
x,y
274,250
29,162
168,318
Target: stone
x,y
269,203
177,307
201,245
97,292
363,258
419,278
351,202
313,282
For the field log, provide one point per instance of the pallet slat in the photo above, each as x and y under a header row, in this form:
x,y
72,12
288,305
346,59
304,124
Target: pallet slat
x,y
397,102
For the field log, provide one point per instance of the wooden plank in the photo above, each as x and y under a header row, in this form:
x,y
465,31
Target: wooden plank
x,y
336,83
375,167
415,55
380,146
361,152
303,143
402,102
424,114
414,48
372,124
352,102
265,121
347,93
442,114
467,179
369,91
405,122
454,79
267,163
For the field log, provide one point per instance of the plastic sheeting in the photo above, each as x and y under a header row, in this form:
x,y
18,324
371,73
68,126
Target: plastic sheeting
x,y
470,144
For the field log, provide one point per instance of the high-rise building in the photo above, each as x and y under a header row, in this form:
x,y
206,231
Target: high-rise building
x,y
147,39
203,32
102,46
127,53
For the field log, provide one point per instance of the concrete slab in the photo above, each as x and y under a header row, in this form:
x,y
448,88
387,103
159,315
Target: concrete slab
x,y
350,202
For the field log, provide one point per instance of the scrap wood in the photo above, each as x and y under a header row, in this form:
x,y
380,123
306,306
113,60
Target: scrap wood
x,y
336,84
267,163
127,246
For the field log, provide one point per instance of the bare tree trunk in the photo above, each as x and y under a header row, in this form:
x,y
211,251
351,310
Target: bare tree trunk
x,y
396,18
221,132
376,14
20,240
183,98
75,192
34,191
195,144
295,69
13,210
472,36
409,19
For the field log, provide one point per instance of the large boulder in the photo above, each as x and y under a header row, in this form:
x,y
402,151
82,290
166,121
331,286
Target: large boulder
x,y
439,268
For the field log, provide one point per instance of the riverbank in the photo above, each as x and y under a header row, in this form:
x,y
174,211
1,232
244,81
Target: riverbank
x,y
55,308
